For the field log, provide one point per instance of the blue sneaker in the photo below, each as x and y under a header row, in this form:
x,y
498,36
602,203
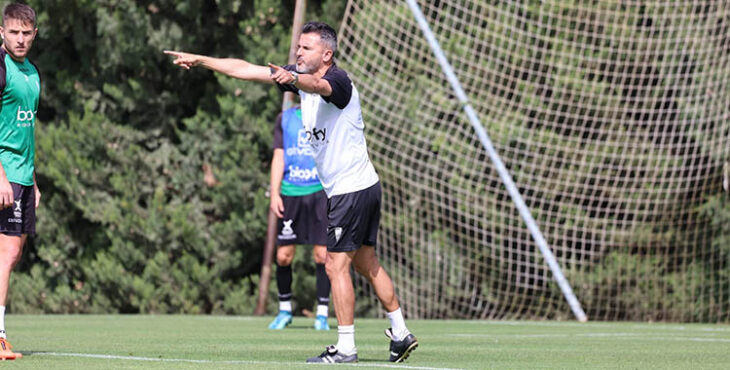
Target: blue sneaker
x,y
320,323
281,320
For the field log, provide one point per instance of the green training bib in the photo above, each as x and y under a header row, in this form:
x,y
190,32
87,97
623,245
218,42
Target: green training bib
x,y
17,120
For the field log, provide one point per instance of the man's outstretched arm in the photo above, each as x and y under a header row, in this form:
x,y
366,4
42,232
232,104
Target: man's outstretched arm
x,y
236,68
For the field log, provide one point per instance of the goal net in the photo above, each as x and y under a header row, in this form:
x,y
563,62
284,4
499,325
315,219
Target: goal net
x,y
613,118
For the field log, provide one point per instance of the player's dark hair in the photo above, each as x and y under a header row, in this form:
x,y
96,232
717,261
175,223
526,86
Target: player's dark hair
x,y
21,12
326,33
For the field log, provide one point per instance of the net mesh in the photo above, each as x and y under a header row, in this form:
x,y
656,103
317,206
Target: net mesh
x,y
613,118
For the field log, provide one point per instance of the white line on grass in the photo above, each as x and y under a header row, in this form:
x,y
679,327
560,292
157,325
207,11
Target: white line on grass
x,y
597,324
589,335
234,362
228,318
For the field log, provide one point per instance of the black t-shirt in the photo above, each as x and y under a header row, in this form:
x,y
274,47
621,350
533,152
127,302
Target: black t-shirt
x,y
278,134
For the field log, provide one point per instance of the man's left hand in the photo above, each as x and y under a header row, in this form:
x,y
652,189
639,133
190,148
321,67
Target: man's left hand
x,y
281,75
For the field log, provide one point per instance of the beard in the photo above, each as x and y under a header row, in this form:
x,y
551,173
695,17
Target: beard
x,y
304,68
14,52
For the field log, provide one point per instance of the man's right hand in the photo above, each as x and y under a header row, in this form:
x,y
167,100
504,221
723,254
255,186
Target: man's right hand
x,y
277,205
185,60
6,194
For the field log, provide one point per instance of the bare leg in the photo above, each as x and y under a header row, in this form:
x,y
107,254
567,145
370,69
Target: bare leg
x,y
11,248
366,263
285,254
402,342
320,253
343,293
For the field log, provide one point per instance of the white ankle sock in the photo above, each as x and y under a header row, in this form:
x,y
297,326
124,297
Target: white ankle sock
x,y
285,306
346,339
322,310
2,322
398,325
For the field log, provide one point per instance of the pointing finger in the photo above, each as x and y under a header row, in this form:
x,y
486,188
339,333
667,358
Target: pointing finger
x,y
274,68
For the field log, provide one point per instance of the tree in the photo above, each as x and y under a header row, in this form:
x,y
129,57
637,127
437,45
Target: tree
x,y
153,178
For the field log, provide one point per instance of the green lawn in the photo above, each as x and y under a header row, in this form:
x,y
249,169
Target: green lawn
x,y
230,342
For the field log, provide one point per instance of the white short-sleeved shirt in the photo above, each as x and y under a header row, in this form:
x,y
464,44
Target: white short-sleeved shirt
x,y
334,128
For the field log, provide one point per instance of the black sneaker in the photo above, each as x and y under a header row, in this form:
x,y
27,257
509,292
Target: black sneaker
x,y
331,356
400,350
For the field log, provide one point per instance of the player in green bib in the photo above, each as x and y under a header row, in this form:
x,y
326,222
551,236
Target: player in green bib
x,y
19,195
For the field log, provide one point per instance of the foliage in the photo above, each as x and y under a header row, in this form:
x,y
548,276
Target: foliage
x,y
153,178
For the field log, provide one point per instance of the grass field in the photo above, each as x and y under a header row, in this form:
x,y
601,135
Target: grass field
x,y
227,342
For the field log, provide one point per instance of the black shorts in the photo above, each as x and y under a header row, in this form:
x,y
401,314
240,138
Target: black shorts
x,y
304,221
20,218
353,219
